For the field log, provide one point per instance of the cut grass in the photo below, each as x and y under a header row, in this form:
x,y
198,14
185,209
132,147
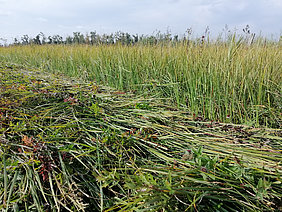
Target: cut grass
x,y
69,145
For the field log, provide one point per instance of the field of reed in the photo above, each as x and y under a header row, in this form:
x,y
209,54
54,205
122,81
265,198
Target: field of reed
x,y
185,126
228,81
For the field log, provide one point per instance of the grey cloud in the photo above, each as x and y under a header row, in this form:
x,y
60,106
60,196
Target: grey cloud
x,y
5,13
139,16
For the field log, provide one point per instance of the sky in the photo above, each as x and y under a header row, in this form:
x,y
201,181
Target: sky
x,y
63,17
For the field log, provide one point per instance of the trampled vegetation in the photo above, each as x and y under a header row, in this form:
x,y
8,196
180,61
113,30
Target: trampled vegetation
x,y
174,131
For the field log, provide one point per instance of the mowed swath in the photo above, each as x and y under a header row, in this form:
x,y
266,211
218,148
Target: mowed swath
x,y
69,145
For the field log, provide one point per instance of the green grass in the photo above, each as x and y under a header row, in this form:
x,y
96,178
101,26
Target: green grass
x,y
71,145
229,82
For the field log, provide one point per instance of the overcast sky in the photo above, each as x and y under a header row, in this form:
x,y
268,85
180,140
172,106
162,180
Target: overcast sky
x,y
19,17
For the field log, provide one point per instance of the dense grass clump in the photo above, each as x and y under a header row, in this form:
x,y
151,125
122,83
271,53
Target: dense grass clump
x,y
67,145
222,81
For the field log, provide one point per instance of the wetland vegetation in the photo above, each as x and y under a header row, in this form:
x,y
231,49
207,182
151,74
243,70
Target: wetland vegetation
x,y
152,123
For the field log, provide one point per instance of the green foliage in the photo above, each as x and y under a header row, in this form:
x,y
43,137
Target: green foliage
x,y
76,146
230,81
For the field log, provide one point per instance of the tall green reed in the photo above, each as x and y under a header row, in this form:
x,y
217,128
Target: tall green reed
x,y
219,81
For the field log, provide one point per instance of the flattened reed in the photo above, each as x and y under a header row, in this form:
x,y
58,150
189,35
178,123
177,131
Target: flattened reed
x,y
69,145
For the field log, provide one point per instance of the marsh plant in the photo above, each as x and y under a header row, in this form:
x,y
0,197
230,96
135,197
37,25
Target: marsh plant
x,y
236,80
69,145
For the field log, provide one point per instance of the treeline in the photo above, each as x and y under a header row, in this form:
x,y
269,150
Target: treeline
x,y
93,38
124,38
